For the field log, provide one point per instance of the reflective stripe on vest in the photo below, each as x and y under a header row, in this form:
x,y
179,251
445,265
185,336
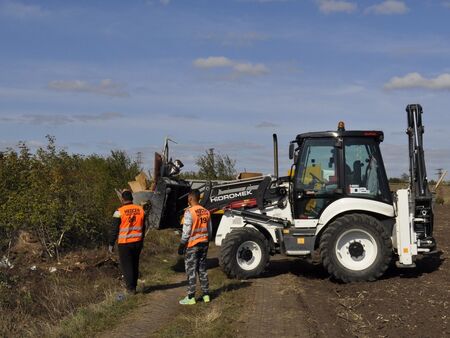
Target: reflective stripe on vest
x,y
130,229
200,221
132,223
130,236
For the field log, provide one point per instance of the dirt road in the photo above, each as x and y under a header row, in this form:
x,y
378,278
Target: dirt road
x,y
297,298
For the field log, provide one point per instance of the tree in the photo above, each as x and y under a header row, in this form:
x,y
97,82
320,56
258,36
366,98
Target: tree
x,y
67,200
213,166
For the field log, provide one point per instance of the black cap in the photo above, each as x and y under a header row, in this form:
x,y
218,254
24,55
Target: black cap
x,y
127,195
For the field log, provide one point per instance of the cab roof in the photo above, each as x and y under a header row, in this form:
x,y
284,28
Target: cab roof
x,y
378,135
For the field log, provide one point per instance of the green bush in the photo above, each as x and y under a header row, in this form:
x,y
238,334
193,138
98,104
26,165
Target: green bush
x,y
65,199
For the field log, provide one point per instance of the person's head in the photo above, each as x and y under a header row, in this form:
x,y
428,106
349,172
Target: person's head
x,y
193,197
127,196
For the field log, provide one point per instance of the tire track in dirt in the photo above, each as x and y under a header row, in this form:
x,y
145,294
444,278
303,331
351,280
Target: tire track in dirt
x,y
160,306
274,308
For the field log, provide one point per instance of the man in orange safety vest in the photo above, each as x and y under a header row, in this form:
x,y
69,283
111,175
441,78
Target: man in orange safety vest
x,y
128,230
194,246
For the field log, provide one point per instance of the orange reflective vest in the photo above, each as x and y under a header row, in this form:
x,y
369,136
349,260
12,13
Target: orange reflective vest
x,y
200,221
132,223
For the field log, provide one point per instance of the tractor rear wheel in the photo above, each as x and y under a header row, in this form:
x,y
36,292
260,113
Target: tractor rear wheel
x,y
244,253
356,248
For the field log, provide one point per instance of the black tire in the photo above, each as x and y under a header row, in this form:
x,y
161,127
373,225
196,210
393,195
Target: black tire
x,y
229,253
356,222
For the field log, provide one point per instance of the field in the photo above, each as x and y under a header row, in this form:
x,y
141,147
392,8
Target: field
x,y
293,298
404,303
297,298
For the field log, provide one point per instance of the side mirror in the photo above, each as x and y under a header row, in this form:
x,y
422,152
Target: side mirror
x,y
291,150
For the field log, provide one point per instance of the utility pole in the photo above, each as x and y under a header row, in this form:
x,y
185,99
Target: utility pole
x,y
439,172
139,159
211,160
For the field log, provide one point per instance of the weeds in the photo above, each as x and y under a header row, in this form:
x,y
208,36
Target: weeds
x,y
210,320
77,299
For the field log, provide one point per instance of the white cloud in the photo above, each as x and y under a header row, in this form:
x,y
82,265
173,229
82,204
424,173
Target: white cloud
x,y
446,4
332,6
21,11
388,7
105,87
238,68
164,2
415,80
213,62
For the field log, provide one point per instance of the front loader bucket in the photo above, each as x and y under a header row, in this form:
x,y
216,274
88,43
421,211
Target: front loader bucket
x,y
165,205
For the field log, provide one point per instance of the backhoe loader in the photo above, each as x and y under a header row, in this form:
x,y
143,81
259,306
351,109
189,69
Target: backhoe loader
x,y
336,199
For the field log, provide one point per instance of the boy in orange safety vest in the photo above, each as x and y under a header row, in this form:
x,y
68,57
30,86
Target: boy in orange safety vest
x,y
194,246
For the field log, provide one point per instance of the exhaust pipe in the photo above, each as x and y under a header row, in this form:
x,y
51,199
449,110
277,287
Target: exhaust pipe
x,y
275,156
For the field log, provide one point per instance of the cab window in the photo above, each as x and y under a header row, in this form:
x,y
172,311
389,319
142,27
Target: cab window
x,y
364,169
316,169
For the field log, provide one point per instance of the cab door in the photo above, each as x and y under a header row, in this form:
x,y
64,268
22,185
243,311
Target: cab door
x,y
316,179
365,176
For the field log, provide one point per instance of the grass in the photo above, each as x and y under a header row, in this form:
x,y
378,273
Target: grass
x,y
216,319
73,302
88,321
96,318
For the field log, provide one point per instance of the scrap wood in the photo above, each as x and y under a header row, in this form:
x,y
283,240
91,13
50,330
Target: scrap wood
x,y
136,186
141,183
143,180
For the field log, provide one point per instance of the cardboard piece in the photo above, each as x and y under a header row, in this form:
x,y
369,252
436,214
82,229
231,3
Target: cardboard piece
x,y
242,176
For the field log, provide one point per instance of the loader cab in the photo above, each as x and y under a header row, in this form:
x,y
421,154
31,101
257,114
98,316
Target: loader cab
x,y
336,164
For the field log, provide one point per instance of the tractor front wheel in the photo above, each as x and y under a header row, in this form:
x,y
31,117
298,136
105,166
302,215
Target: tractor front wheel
x,y
244,253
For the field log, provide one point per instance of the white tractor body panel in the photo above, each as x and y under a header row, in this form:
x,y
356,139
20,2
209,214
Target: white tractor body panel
x,y
305,223
404,236
230,222
353,204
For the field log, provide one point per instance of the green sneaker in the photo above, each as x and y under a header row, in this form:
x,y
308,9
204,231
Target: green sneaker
x,y
206,299
187,301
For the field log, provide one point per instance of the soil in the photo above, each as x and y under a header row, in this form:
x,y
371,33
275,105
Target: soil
x,y
403,303
160,306
297,298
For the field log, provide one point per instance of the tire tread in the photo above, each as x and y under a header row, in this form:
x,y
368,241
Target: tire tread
x,y
228,252
339,272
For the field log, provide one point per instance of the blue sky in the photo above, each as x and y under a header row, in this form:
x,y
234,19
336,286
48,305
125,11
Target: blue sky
x,y
222,74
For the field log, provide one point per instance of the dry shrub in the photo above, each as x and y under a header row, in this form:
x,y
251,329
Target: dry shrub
x,y
27,244
30,300
161,241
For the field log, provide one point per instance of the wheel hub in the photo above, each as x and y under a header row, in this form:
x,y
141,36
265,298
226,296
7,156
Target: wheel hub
x,y
249,255
356,249
246,254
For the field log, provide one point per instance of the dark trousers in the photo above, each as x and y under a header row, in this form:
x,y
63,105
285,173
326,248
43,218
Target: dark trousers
x,y
195,263
129,263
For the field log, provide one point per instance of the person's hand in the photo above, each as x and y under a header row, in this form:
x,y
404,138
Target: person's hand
x,y
181,249
111,249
